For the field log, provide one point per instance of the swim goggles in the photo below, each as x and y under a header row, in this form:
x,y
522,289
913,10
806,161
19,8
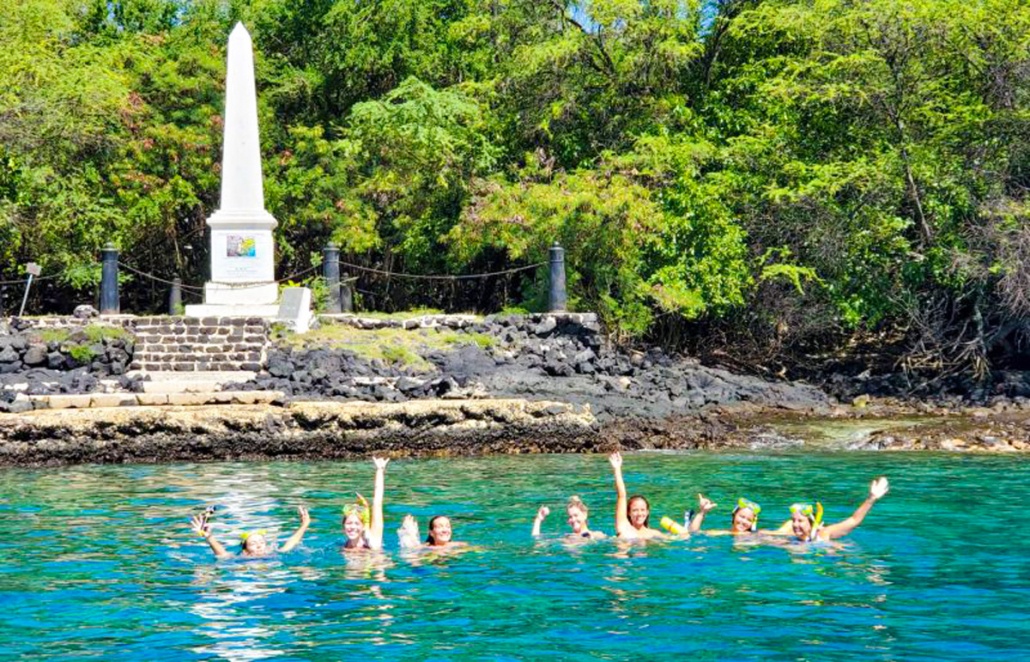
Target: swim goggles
x,y
360,509
804,509
743,503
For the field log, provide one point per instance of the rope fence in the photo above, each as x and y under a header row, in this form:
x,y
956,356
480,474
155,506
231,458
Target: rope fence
x,y
331,266
440,277
35,279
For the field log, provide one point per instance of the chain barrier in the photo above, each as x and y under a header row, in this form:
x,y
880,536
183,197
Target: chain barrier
x,y
291,277
159,279
197,288
35,279
434,277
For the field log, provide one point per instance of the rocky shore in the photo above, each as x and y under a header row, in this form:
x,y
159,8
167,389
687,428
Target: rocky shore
x,y
299,430
443,384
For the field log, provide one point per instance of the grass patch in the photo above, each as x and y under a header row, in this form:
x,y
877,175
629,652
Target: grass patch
x,y
409,314
394,346
455,339
84,354
95,333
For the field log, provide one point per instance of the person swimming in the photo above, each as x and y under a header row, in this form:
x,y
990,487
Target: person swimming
x,y
743,519
440,534
632,516
805,522
363,526
253,544
577,513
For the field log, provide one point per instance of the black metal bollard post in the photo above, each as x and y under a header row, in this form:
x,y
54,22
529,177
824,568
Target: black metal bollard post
x,y
109,304
175,297
556,300
331,272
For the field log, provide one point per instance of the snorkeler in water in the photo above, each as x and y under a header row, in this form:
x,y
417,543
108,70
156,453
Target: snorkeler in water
x,y
743,519
253,544
577,512
632,516
806,525
440,534
363,526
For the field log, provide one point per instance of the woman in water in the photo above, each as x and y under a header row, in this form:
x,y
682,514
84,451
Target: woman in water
x,y
743,520
253,544
440,534
362,526
632,517
806,525
577,512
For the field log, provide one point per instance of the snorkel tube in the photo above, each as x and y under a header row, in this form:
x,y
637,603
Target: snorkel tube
x,y
817,521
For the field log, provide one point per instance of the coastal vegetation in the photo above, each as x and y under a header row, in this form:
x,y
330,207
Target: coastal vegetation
x,y
394,346
789,181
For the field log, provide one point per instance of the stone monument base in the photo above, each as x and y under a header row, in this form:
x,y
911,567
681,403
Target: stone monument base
x,y
268,311
237,294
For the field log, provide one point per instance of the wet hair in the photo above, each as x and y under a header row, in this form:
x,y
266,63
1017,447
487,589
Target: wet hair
x,y
576,502
647,520
429,537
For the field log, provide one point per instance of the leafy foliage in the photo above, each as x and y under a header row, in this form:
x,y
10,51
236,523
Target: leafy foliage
x,y
792,170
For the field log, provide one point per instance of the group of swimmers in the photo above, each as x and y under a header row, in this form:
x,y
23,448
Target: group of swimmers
x,y
363,524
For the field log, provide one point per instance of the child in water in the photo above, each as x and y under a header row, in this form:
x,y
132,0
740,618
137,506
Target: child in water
x,y
253,544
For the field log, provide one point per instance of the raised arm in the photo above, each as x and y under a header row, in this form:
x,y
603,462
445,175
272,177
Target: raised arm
x,y
375,527
703,506
298,535
202,527
622,525
877,489
543,512
407,534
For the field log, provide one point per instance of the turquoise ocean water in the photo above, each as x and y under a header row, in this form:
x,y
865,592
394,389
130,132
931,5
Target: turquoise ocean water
x,y
98,562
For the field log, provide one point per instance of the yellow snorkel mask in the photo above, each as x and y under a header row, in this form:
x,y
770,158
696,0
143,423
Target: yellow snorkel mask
x,y
247,534
360,509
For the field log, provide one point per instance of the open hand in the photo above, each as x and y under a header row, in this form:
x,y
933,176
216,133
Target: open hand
x,y
408,532
878,488
615,459
200,525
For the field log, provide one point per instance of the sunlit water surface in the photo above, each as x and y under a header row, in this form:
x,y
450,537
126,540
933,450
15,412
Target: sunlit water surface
x,y
98,562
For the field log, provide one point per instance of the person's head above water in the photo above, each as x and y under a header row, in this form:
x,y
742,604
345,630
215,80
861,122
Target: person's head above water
x,y
745,516
805,519
578,513
439,531
639,512
356,519
254,543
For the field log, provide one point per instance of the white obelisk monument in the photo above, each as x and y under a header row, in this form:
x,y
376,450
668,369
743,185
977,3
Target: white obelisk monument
x,y
242,251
